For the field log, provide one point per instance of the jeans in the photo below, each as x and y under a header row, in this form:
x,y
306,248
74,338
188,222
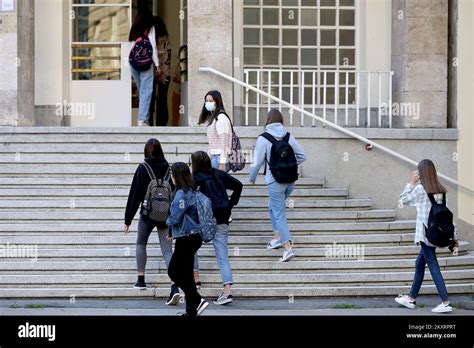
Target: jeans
x,y
181,269
215,162
278,193
222,254
161,103
145,227
428,256
144,80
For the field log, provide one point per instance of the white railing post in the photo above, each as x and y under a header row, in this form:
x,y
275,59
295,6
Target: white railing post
x,y
291,97
380,98
247,98
347,98
368,99
325,81
336,95
258,99
357,98
313,89
269,88
302,96
280,87
390,98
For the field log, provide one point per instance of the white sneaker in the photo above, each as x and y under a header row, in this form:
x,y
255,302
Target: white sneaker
x,y
274,244
287,255
443,308
143,124
404,300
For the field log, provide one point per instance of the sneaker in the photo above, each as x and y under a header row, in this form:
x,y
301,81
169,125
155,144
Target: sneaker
x,y
287,255
198,285
175,296
140,285
202,306
404,300
443,308
274,244
223,299
143,124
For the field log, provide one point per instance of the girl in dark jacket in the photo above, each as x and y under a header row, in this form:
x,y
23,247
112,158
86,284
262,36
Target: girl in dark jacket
x,y
155,159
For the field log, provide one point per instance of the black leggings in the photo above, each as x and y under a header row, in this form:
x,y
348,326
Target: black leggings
x,y
181,269
159,101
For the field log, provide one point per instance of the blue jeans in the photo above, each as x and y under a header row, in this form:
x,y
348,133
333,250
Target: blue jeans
x,y
144,80
428,256
278,193
222,254
215,162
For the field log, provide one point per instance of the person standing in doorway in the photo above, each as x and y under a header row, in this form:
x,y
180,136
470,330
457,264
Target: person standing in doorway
x,y
155,165
214,184
280,183
144,63
159,97
184,223
421,188
219,130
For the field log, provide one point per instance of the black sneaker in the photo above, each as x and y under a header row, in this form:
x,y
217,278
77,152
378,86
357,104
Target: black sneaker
x,y
198,285
175,296
140,285
202,306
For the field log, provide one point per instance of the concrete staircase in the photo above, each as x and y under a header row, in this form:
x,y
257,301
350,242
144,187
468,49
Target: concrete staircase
x,y
64,190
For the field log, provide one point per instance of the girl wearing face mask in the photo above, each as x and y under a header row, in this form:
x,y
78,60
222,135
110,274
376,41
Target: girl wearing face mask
x,y
219,130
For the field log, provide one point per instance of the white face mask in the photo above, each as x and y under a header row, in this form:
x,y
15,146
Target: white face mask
x,y
211,106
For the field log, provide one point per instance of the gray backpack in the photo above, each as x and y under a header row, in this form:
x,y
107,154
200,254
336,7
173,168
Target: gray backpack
x,y
157,203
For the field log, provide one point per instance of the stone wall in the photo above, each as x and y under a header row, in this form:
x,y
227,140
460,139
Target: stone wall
x,y
419,60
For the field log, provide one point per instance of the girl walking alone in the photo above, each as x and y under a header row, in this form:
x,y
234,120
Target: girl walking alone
x,y
184,221
422,182
277,192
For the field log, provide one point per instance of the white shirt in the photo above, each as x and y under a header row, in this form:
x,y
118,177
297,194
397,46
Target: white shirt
x,y
416,196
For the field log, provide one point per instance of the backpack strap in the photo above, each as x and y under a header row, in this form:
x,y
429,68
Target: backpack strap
x,y
231,125
444,199
432,200
272,140
149,170
167,174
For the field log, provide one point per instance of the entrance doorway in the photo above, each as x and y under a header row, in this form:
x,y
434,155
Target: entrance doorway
x,y
174,15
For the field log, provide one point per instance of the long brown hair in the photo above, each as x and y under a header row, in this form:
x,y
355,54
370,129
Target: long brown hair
x,y
182,177
201,162
207,116
429,177
153,149
274,116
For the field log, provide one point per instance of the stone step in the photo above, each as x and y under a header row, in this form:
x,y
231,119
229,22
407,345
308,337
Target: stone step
x,y
121,180
398,226
101,191
238,266
237,216
238,252
293,293
41,204
214,280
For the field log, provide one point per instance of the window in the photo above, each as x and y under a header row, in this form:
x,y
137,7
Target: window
x,y
98,28
306,34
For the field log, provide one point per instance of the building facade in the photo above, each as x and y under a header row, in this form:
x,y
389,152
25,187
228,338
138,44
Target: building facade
x,y
378,64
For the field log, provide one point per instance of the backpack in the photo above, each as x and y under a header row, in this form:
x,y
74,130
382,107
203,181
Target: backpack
x,y
207,223
141,55
236,158
215,190
440,229
158,198
283,164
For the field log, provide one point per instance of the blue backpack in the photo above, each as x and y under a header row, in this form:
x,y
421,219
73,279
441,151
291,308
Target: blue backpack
x,y
141,56
207,222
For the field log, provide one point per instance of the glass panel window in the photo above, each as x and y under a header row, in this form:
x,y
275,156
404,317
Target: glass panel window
x,y
346,18
290,37
290,56
270,16
270,37
252,56
289,16
270,56
328,17
252,16
309,37
328,37
328,57
252,36
101,24
252,2
346,37
309,57
309,17
270,2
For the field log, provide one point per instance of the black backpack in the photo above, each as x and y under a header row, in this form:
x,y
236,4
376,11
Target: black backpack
x,y
440,229
215,190
141,56
282,163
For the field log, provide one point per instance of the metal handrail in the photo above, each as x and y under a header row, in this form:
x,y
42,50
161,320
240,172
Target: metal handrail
x,y
333,125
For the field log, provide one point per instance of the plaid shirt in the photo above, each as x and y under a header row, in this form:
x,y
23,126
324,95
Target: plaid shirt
x,y
416,196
